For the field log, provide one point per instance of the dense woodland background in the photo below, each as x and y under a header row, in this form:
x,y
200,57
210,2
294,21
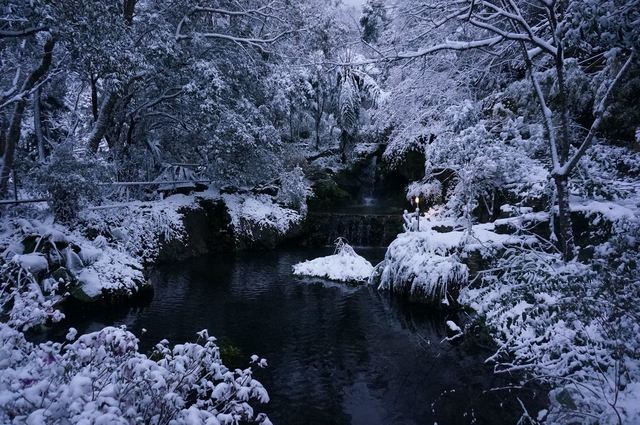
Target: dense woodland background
x,y
514,107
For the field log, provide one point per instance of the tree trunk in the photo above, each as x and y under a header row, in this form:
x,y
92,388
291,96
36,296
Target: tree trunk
x,y
94,97
318,132
291,121
37,124
565,226
18,112
318,115
565,230
563,140
129,9
132,126
346,145
101,124
10,147
3,135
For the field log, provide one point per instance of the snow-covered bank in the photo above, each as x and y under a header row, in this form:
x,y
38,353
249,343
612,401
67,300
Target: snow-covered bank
x,y
142,228
571,325
181,226
433,264
344,266
43,263
102,256
101,377
259,221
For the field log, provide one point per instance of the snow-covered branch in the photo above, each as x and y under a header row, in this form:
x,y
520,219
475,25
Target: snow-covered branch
x,y
566,169
21,33
263,15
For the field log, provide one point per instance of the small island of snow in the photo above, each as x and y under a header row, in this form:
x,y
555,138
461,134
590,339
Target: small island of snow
x,y
345,265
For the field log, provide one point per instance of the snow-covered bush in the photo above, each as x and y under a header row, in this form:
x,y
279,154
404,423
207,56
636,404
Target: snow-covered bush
x,y
571,325
70,183
247,150
429,192
344,265
101,377
488,157
252,216
422,269
294,190
597,178
24,301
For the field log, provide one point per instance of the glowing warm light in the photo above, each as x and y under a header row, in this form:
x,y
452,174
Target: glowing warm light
x,y
417,200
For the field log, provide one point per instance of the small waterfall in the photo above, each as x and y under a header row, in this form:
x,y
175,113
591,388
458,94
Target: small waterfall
x,y
369,182
357,229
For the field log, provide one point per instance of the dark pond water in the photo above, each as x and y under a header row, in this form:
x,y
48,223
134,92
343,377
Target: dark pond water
x,y
337,354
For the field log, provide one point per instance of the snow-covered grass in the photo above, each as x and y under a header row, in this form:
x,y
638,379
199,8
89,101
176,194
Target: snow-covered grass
x,y
344,266
101,378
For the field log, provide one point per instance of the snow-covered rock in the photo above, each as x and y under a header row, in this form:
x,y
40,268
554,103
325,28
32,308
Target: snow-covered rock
x,y
33,263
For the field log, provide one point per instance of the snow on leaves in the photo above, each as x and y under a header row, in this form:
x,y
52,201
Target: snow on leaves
x,y
101,377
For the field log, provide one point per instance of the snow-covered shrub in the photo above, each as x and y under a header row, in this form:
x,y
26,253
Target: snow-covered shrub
x,y
597,178
24,301
70,183
429,192
571,325
424,271
344,265
294,190
29,292
102,378
247,148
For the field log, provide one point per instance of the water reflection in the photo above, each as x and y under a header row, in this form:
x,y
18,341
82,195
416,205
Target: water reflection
x,y
337,354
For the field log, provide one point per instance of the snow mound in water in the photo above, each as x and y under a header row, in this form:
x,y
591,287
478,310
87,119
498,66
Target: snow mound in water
x,y
345,266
